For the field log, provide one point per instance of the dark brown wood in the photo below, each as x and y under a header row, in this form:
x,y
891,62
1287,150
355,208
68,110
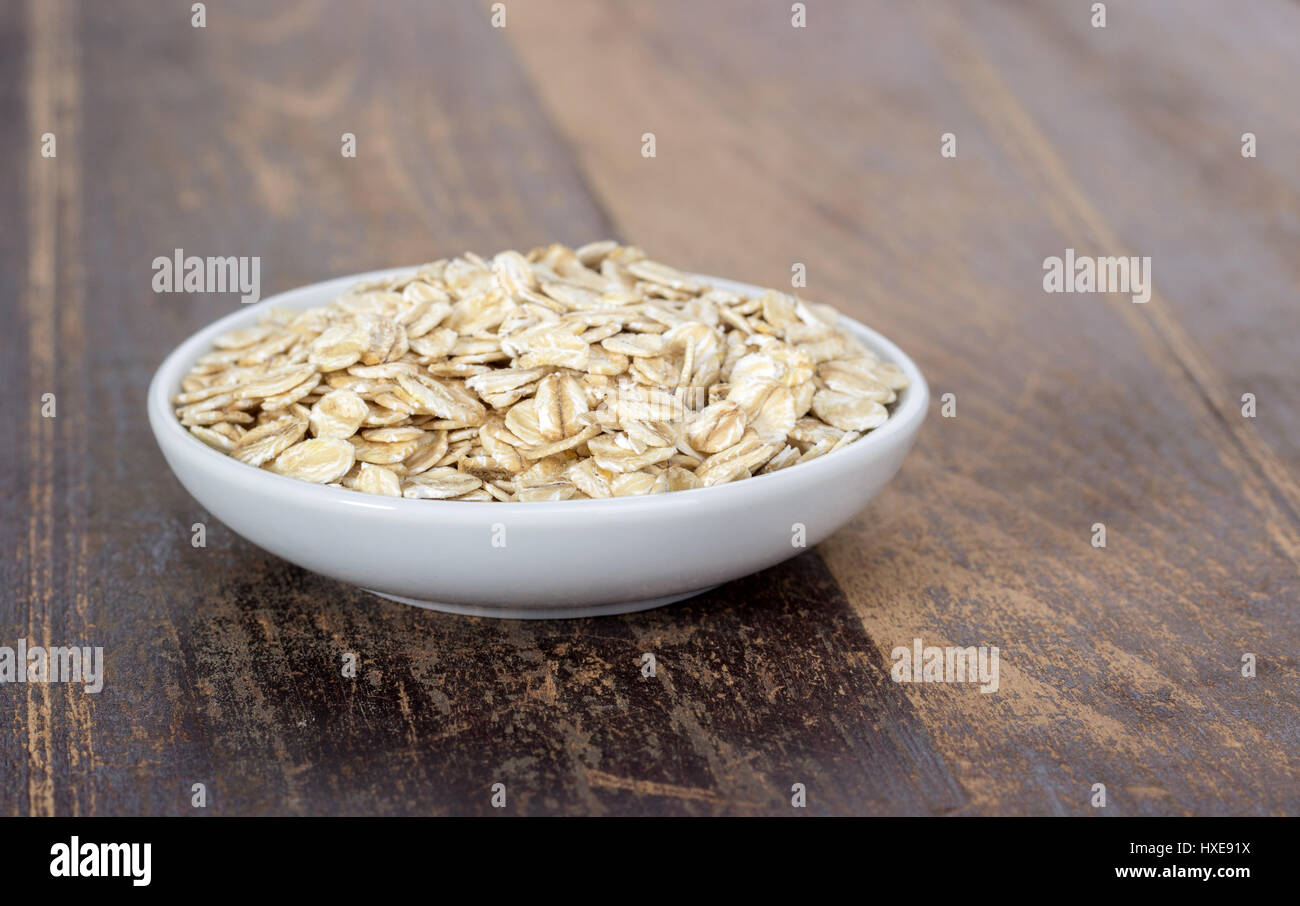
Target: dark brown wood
x,y
775,145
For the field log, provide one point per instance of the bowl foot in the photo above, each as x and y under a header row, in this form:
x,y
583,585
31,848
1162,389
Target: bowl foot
x,y
544,613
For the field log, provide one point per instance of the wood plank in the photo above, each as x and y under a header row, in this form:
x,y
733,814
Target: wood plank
x,y
17,477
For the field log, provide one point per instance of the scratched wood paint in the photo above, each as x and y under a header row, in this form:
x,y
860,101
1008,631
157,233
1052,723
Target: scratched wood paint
x,y
774,146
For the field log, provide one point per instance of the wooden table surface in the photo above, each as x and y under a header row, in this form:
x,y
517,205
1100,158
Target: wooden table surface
x,y
774,146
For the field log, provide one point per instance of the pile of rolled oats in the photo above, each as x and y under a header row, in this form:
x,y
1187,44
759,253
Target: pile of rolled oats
x,y
555,375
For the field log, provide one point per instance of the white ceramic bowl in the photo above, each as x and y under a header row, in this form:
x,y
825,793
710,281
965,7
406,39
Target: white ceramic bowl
x,y
566,558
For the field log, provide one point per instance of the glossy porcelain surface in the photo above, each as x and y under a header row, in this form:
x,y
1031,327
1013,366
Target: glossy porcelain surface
x,y
532,560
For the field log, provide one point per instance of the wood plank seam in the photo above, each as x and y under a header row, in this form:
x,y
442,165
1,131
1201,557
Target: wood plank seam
x,y
44,57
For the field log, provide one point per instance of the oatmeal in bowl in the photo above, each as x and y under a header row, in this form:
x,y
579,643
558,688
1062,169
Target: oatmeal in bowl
x,y
556,374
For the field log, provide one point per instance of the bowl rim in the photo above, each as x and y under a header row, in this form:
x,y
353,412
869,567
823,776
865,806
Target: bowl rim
x,y
905,418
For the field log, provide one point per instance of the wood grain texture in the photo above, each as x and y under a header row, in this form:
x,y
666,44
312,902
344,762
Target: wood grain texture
x,y
774,146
